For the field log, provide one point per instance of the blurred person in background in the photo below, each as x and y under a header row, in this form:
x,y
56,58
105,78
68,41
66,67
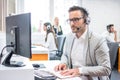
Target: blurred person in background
x,y
50,40
57,27
111,33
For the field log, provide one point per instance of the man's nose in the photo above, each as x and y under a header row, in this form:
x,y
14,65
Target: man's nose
x,y
71,23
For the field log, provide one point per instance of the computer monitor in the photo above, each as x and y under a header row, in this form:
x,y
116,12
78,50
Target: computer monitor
x,y
18,36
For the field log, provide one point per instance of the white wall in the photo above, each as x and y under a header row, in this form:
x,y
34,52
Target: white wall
x,y
102,13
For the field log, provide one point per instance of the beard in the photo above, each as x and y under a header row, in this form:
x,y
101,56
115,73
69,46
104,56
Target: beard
x,y
75,29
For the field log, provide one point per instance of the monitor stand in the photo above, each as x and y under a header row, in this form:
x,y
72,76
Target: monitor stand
x,y
9,63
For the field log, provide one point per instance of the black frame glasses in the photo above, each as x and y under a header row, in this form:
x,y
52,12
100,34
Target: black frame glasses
x,y
74,20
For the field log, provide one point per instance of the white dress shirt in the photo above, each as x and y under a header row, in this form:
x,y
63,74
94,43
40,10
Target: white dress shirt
x,y
77,56
109,36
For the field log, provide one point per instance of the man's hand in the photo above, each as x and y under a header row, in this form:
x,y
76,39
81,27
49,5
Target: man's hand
x,y
70,72
60,67
115,32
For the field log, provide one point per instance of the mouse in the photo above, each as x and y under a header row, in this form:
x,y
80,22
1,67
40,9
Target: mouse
x,y
36,65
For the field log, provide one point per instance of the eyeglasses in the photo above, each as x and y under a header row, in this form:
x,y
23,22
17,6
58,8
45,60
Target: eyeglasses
x,y
74,20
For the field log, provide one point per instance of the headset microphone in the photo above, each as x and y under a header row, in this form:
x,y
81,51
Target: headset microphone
x,y
78,28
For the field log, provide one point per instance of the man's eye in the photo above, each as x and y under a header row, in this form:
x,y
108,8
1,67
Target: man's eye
x,y
75,19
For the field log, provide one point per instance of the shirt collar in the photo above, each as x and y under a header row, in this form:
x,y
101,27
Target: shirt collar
x,y
83,36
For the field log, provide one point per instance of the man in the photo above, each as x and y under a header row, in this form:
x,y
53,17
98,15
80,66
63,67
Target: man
x,y
86,54
111,33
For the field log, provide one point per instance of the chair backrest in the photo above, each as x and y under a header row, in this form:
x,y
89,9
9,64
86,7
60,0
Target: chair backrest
x,y
61,40
113,50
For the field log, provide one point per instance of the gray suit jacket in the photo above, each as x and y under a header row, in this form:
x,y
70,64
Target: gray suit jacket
x,y
96,56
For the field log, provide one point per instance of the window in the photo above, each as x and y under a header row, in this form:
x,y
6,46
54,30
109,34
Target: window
x,y
39,12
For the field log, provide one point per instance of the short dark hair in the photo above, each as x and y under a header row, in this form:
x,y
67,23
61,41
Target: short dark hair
x,y
109,26
83,10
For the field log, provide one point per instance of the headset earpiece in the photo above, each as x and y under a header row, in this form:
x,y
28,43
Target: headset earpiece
x,y
87,20
48,27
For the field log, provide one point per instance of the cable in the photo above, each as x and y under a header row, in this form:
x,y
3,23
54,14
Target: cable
x,y
1,54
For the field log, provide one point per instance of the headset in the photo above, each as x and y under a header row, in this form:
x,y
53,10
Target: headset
x,y
86,17
48,25
87,20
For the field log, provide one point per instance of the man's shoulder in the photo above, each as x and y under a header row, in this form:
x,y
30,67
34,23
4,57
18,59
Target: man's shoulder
x,y
96,36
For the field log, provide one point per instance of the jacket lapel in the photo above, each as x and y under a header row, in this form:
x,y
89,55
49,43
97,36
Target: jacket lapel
x,y
71,46
86,51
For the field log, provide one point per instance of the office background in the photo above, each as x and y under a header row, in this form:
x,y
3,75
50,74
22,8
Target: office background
x,y
102,12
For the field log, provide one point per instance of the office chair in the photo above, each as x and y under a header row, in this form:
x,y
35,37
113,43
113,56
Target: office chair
x,y
61,41
113,50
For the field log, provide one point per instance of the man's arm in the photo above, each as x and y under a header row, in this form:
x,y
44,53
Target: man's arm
x,y
101,60
115,34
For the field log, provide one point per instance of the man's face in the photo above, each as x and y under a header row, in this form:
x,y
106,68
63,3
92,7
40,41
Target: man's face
x,y
112,29
76,21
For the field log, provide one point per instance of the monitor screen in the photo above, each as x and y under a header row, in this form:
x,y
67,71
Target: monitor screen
x,y
18,36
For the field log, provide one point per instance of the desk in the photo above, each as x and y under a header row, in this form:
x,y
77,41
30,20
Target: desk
x,y
39,53
17,73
